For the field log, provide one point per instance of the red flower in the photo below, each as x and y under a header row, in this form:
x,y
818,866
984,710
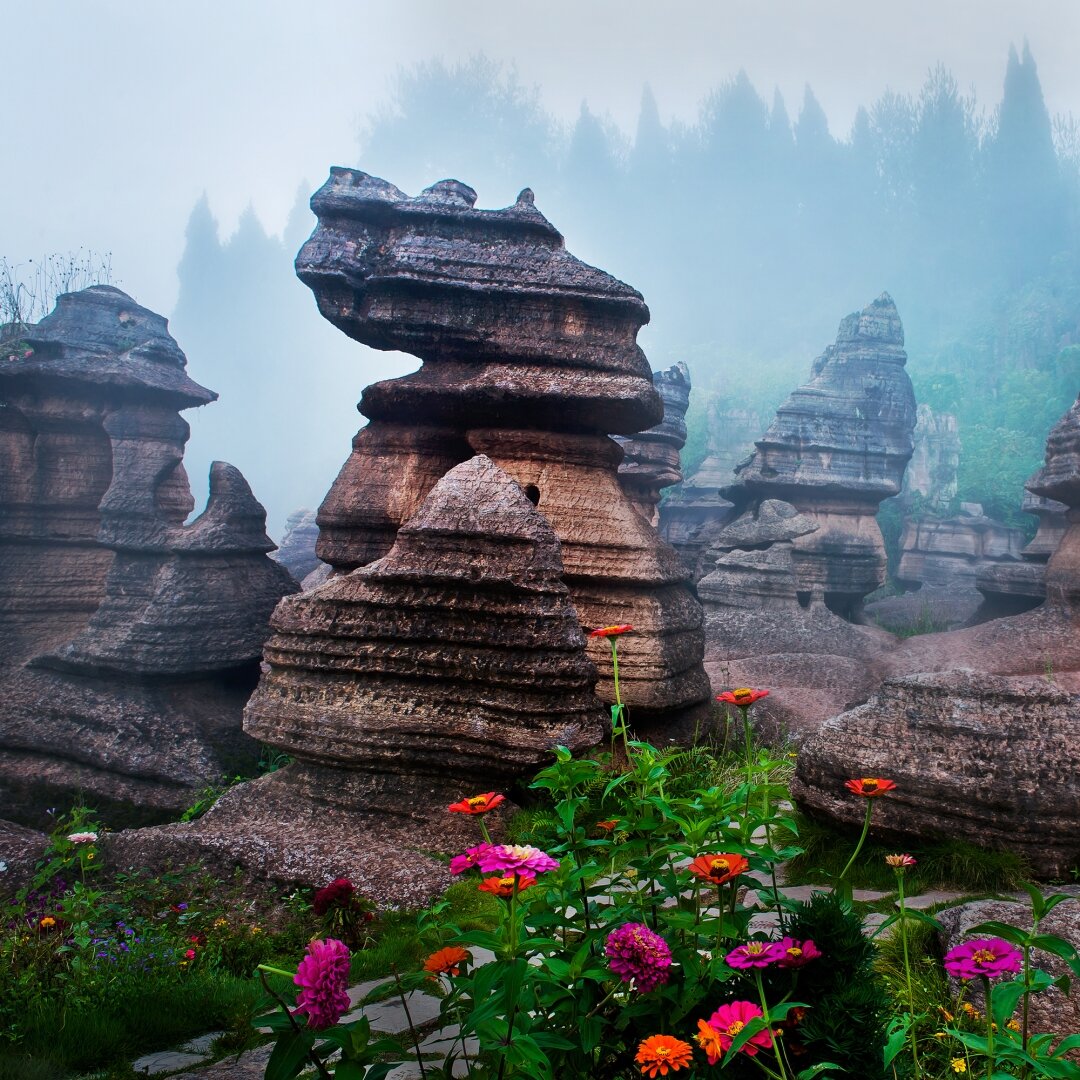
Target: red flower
x,y
189,954
446,961
339,893
504,886
611,631
478,804
869,786
607,826
744,697
719,869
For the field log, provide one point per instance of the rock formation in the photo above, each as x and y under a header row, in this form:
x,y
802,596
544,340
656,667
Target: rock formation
x,y
296,552
129,640
695,512
985,758
1010,588
449,666
529,357
930,479
977,744
807,547
651,458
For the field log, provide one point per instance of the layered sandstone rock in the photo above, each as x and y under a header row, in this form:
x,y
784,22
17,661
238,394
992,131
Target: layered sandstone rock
x,y
696,511
837,448
651,458
790,573
1010,588
530,357
979,725
989,759
130,640
451,665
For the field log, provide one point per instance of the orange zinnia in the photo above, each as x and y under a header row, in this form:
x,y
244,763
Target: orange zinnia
x,y
659,1054
743,696
719,869
504,886
611,631
870,786
478,804
446,961
607,826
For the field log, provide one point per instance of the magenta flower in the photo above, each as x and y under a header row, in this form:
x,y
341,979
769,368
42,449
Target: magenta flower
x,y
514,859
716,1034
460,863
983,956
635,952
755,954
324,976
794,954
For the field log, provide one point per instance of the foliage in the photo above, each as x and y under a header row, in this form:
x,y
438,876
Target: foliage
x,y
29,291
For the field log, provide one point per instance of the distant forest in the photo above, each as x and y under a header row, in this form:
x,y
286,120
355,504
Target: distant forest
x,y
750,233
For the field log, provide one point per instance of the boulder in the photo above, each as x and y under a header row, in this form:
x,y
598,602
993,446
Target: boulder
x,y
989,759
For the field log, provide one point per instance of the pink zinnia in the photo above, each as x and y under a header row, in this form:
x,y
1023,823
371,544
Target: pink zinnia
x,y
984,956
636,952
460,863
720,1031
793,954
324,976
515,859
755,954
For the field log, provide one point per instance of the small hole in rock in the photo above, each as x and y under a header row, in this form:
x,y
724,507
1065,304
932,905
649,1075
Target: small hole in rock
x,y
532,493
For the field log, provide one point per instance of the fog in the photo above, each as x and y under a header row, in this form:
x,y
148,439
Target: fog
x,y
751,212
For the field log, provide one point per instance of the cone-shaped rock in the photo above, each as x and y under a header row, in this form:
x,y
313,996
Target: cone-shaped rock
x,y
454,662
449,667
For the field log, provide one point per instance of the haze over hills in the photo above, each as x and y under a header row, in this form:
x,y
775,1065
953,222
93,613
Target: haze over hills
x,y
750,233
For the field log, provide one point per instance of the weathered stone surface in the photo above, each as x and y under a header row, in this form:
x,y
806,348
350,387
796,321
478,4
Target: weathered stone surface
x,y
452,665
296,552
511,327
837,448
695,511
990,759
785,592
1051,1012
930,480
130,640
651,458
530,357
20,848
1045,639
454,660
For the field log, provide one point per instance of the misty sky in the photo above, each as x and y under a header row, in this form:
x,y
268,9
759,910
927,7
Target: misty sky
x,y
125,112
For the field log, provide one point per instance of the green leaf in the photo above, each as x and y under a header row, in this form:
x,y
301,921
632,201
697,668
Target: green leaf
x,y
897,1037
816,1070
1001,930
1051,943
1003,999
289,1055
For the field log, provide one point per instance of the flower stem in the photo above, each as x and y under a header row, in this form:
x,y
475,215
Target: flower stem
x,y
768,1023
277,971
412,1026
862,840
907,968
989,1029
320,1068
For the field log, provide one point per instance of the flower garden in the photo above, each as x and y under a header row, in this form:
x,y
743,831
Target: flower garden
x,y
632,924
